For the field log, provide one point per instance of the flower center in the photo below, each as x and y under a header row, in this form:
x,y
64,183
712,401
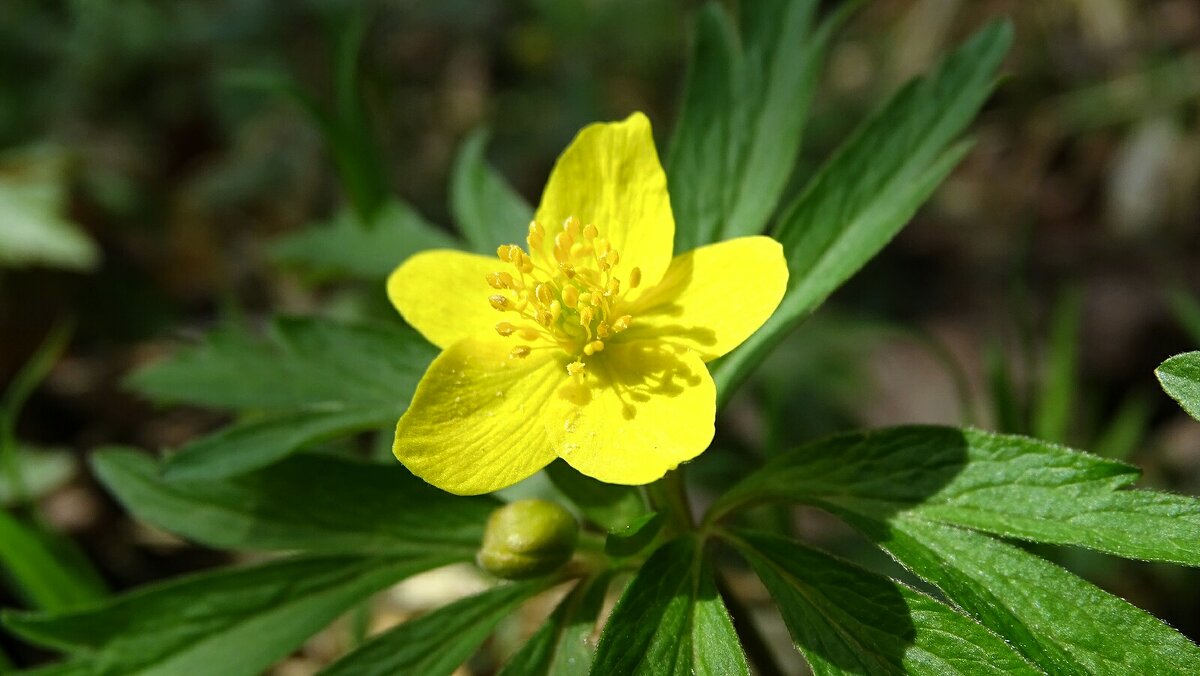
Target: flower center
x,y
568,298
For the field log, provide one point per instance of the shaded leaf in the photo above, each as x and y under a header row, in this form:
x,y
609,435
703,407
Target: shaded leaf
x,y
487,210
43,470
561,646
847,620
871,187
33,204
306,502
635,537
438,643
230,622
670,620
1057,401
744,109
610,506
47,571
348,247
1180,378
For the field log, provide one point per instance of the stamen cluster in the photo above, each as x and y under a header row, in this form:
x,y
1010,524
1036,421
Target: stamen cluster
x,y
568,297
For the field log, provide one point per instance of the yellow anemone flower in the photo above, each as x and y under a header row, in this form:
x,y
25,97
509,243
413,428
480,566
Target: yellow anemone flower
x,y
588,345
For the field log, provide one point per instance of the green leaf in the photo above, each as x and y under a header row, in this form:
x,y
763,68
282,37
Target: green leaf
x,y
561,646
230,622
1064,624
1056,404
1126,428
1009,485
42,471
31,374
871,187
257,443
670,620
849,621
348,247
316,378
635,537
48,572
1180,378
438,643
610,506
307,502
33,204
488,211
745,105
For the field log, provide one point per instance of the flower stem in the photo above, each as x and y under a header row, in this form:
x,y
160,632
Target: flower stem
x,y
669,496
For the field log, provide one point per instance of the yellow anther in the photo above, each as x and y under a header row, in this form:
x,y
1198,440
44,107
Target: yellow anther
x,y
585,298
502,252
570,296
586,315
530,334
544,293
593,347
590,232
622,323
613,257
602,330
519,352
536,230
555,310
601,245
500,280
575,368
544,318
566,268
635,278
614,287
500,302
505,329
572,227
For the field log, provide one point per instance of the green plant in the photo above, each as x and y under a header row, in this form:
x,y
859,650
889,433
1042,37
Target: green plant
x,y
289,475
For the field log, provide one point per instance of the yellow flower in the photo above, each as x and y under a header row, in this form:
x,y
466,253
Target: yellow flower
x,y
588,345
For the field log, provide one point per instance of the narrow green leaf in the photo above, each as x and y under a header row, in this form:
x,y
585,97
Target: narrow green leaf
x,y
1180,378
438,643
745,105
307,502
303,363
1009,485
561,647
670,620
47,570
31,374
1006,403
1057,401
488,211
610,506
1126,428
251,445
230,622
348,247
872,186
635,537
1186,309
849,621
1064,624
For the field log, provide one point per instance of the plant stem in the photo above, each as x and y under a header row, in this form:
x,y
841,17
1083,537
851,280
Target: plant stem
x,y
752,639
669,496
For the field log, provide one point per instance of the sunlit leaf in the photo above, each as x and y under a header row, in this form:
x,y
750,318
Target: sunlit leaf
x,y
34,229
561,647
1180,378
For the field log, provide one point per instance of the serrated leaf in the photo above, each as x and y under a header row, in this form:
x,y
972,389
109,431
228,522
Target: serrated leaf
x,y
347,247
670,620
249,445
1180,378
1009,485
307,502
561,646
744,109
849,621
487,210
313,377
33,204
227,622
871,187
1058,620
438,643
610,506
46,570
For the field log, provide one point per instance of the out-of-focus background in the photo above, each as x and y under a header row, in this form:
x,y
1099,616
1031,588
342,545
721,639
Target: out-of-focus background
x,y
149,158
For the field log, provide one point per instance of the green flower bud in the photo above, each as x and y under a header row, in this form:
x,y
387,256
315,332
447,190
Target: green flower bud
x,y
527,538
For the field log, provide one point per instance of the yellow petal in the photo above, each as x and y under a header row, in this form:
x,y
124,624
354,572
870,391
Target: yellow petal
x,y
712,298
610,177
640,410
474,424
444,295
